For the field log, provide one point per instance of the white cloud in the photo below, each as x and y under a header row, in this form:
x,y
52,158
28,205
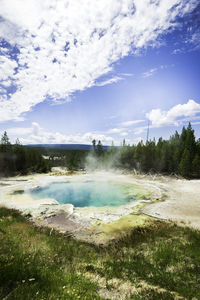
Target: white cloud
x,y
126,74
109,81
2,90
195,123
115,130
36,128
130,123
124,133
19,131
7,68
37,135
175,115
177,51
95,33
152,71
140,130
149,73
195,40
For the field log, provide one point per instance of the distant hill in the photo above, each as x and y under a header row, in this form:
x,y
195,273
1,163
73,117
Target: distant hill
x,y
65,146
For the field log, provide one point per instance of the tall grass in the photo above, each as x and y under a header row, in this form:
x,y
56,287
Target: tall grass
x,y
158,262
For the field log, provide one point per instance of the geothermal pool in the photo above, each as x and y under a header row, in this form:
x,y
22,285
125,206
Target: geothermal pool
x,y
83,194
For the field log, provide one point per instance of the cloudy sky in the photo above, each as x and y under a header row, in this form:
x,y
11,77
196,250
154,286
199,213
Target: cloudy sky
x,y
75,70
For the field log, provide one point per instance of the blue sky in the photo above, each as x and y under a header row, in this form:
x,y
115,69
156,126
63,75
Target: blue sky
x,y
72,71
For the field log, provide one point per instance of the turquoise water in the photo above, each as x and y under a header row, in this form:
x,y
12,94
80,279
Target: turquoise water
x,y
82,194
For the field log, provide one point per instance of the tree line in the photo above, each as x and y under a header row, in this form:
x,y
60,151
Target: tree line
x,y
71,159
179,155
18,159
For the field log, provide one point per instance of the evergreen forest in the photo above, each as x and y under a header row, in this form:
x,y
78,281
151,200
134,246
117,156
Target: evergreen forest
x,y
179,155
19,160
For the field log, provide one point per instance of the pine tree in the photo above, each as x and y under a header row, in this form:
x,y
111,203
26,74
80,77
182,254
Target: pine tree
x,y
20,157
138,155
196,166
176,160
5,143
94,145
190,143
99,149
5,139
185,165
7,163
17,142
183,136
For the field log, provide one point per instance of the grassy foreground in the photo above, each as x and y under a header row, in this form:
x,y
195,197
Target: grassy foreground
x,y
158,262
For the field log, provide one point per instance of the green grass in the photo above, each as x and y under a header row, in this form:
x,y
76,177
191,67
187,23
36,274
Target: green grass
x,y
161,261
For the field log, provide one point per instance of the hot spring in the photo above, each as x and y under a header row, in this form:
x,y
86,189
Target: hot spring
x,y
89,193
